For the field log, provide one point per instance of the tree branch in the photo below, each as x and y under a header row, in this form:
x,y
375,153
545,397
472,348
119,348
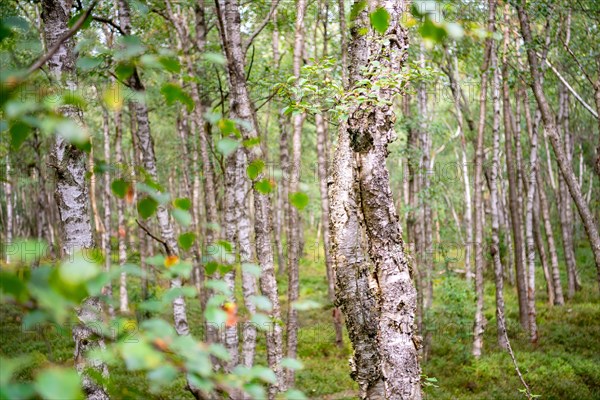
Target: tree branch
x,y
111,23
42,60
570,88
159,240
262,26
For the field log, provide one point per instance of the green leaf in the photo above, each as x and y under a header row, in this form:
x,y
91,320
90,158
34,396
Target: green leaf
x,y
292,363
357,8
124,71
248,143
380,20
227,146
119,187
211,267
87,63
264,186
72,132
147,207
215,315
255,168
171,64
299,200
215,58
183,203
262,321
174,92
11,285
78,269
294,394
228,127
432,31
303,305
19,132
251,269
183,217
186,240
56,384
261,302
265,374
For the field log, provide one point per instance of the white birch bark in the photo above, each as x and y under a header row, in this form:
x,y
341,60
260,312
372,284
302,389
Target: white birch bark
x,y
72,194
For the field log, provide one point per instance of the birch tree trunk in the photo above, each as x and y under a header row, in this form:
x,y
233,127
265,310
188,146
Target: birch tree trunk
x,y
591,226
478,219
564,200
106,193
241,108
371,129
294,241
558,293
529,233
9,206
494,202
122,230
72,194
146,146
515,214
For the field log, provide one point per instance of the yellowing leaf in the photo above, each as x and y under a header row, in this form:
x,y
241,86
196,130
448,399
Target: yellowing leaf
x,y
113,97
171,260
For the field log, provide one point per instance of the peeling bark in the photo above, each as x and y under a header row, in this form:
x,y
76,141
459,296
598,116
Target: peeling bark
x,y
72,194
371,129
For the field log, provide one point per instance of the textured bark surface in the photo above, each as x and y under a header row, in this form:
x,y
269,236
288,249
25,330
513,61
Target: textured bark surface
x,y
478,217
241,108
106,194
122,230
565,205
350,267
371,129
231,210
294,240
513,194
72,194
494,202
558,293
589,222
9,207
529,230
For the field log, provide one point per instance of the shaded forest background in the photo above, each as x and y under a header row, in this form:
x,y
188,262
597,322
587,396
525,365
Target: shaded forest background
x,y
198,140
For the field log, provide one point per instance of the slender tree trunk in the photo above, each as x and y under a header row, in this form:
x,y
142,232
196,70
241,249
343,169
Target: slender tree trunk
x,y
232,213
146,146
122,229
564,203
558,293
426,221
371,128
294,246
529,228
241,108
515,214
494,202
322,168
9,206
72,194
452,73
281,211
479,220
591,226
106,193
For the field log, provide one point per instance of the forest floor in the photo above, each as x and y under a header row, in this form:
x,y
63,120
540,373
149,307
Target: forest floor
x,y
564,364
